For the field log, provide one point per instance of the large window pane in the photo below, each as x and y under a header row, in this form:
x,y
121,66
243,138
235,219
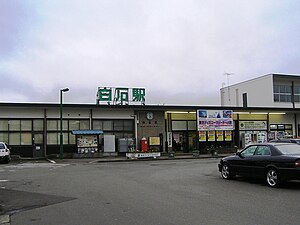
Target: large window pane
x,y
4,125
14,139
52,125
72,139
192,125
26,138
38,139
297,90
97,125
26,125
64,125
4,137
276,89
276,97
65,138
38,125
74,124
14,125
128,124
107,125
118,125
52,138
84,124
179,125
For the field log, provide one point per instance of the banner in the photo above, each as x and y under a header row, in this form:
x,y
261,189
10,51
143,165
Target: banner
x,y
214,119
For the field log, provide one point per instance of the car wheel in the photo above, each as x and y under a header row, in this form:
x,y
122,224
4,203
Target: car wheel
x,y
225,172
272,177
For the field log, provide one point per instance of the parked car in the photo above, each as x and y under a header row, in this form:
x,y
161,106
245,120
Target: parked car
x,y
287,140
4,152
274,162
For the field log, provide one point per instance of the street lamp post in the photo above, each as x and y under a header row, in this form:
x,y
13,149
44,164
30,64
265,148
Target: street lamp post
x,y
61,149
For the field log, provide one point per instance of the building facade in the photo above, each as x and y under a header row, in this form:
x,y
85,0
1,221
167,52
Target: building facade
x,y
272,90
33,129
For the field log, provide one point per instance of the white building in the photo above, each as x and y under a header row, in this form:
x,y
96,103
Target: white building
x,y
271,90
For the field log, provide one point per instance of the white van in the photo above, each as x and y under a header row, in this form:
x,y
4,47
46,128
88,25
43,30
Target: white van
x,y
4,152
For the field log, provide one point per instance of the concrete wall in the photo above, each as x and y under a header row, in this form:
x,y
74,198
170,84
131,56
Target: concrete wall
x,y
259,92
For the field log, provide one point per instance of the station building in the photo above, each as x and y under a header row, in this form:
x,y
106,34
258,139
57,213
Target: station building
x,y
95,130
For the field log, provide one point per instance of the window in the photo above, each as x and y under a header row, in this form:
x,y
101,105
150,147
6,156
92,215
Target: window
x,y
26,125
26,138
84,124
38,125
52,125
14,139
107,125
262,150
4,137
128,124
52,138
248,151
97,125
4,125
192,125
179,125
282,93
14,125
118,125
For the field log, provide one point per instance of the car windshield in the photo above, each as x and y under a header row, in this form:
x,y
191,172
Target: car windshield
x,y
2,146
289,149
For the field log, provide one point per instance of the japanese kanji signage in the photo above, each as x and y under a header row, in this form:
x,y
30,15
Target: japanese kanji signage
x,y
120,96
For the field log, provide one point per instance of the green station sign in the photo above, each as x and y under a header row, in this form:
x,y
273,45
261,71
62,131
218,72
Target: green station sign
x,y
120,95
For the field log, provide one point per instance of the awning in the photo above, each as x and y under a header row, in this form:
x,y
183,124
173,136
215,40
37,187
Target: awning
x,y
88,132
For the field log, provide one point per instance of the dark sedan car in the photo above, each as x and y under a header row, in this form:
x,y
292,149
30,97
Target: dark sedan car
x,y
274,162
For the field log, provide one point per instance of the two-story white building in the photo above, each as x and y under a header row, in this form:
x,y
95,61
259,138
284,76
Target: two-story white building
x,y
271,90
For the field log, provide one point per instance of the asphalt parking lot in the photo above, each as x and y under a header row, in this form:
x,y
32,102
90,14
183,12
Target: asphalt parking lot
x,y
167,192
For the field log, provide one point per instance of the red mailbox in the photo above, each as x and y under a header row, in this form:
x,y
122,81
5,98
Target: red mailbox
x,y
144,145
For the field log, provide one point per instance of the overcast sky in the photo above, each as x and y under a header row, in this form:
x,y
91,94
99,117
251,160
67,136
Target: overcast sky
x,y
178,50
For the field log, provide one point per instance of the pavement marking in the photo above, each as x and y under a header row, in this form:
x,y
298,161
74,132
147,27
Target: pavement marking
x,y
37,165
3,180
4,219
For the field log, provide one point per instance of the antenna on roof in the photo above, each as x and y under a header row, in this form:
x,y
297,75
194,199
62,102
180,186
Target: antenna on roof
x,y
228,74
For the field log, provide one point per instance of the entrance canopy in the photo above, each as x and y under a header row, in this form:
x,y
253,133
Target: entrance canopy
x,y
87,132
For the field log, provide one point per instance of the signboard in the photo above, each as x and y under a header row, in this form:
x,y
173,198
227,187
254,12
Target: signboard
x,y
252,125
214,119
169,136
120,95
154,141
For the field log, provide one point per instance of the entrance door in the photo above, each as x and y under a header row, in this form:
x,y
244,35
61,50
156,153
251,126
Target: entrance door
x,y
38,145
180,143
192,141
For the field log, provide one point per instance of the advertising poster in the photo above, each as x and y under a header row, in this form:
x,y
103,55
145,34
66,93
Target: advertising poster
x,y
215,119
220,136
211,135
228,135
202,135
